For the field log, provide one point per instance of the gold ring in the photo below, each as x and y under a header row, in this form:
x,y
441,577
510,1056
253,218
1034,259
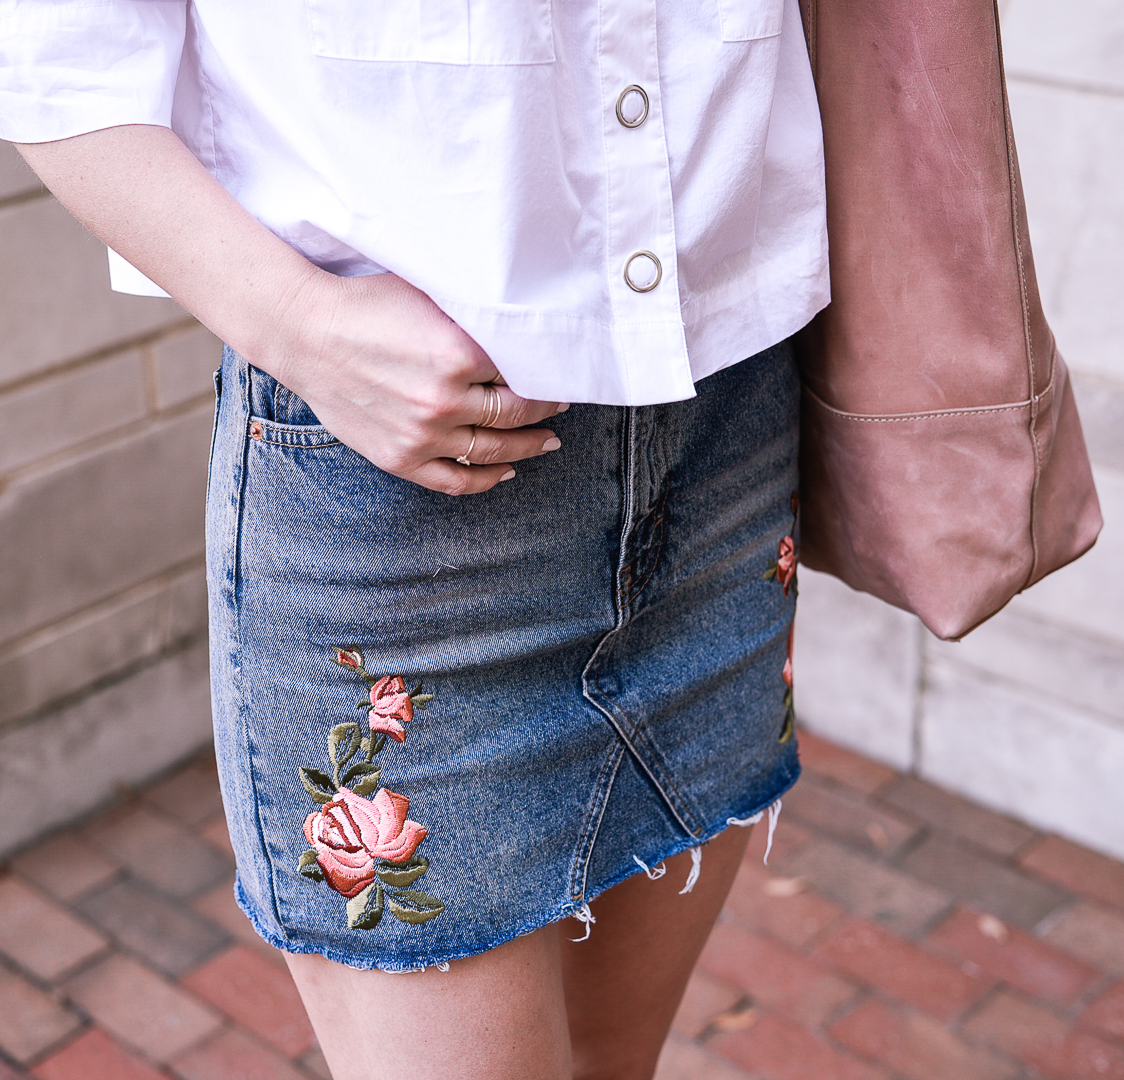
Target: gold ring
x,y
492,406
463,459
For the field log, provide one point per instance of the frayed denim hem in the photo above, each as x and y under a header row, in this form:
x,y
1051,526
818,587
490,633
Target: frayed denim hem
x,y
568,910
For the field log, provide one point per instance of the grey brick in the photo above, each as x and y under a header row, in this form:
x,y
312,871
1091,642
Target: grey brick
x,y
867,888
983,882
142,1009
158,851
842,813
169,936
1028,649
1056,766
64,866
1084,50
29,1020
100,641
16,178
856,669
57,300
1089,593
1091,932
1101,404
72,760
84,531
184,364
1071,153
190,795
949,813
59,412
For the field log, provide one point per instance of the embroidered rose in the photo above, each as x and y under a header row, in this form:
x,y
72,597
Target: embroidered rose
x,y
786,562
351,658
391,707
351,833
787,673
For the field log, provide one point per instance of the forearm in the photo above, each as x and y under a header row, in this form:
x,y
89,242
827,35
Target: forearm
x,y
381,365
141,190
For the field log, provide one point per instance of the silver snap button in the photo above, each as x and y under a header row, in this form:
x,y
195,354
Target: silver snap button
x,y
632,106
647,274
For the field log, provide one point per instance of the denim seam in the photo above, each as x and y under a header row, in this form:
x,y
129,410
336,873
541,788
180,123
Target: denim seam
x,y
650,760
591,688
593,819
310,436
244,378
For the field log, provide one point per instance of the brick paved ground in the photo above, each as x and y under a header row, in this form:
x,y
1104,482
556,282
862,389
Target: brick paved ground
x,y
899,933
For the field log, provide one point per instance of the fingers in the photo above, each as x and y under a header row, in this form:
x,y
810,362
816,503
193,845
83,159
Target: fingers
x,y
494,405
453,479
483,446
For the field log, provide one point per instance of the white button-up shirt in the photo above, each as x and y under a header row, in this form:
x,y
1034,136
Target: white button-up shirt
x,y
601,243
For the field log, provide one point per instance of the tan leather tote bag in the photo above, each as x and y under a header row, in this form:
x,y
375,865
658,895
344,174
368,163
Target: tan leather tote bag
x,y
943,467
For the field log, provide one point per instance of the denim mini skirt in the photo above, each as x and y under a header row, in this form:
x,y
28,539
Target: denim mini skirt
x,y
445,722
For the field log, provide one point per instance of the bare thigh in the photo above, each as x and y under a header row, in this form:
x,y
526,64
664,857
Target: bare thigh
x,y
624,984
540,1007
497,1016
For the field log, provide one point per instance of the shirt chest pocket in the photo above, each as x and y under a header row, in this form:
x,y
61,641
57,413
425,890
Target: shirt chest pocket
x,y
489,32
747,20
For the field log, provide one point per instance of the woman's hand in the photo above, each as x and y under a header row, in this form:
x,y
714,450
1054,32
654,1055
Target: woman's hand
x,y
393,377
380,364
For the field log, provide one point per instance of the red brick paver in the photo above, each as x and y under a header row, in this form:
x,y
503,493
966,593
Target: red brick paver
x,y
1106,1014
774,975
777,1049
233,1055
901,969
899,933
256,994
1077,868
94,1056
917,1046
1014,956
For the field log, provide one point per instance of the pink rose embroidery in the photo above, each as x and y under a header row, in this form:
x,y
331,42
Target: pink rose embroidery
x,y
350,833
786,562
391,707
786,674
366,849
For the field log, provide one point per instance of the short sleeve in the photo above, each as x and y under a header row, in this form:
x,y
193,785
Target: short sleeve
x,y
72,66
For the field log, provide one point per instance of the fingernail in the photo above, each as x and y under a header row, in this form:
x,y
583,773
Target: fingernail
x,y
552,443
562,408
509,475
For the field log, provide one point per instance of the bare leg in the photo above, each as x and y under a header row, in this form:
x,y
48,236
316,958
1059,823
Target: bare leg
x,y
497,1016
625,982
502,1015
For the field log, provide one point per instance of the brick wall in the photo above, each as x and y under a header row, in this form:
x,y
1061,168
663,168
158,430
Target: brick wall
x,y
105,411
1027,713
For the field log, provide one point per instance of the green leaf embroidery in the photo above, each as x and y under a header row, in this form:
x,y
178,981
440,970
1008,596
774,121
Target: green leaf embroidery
x,y
308,867
789,728
319,785
364,910
362,778
402,874
412,906
771,573
343,743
